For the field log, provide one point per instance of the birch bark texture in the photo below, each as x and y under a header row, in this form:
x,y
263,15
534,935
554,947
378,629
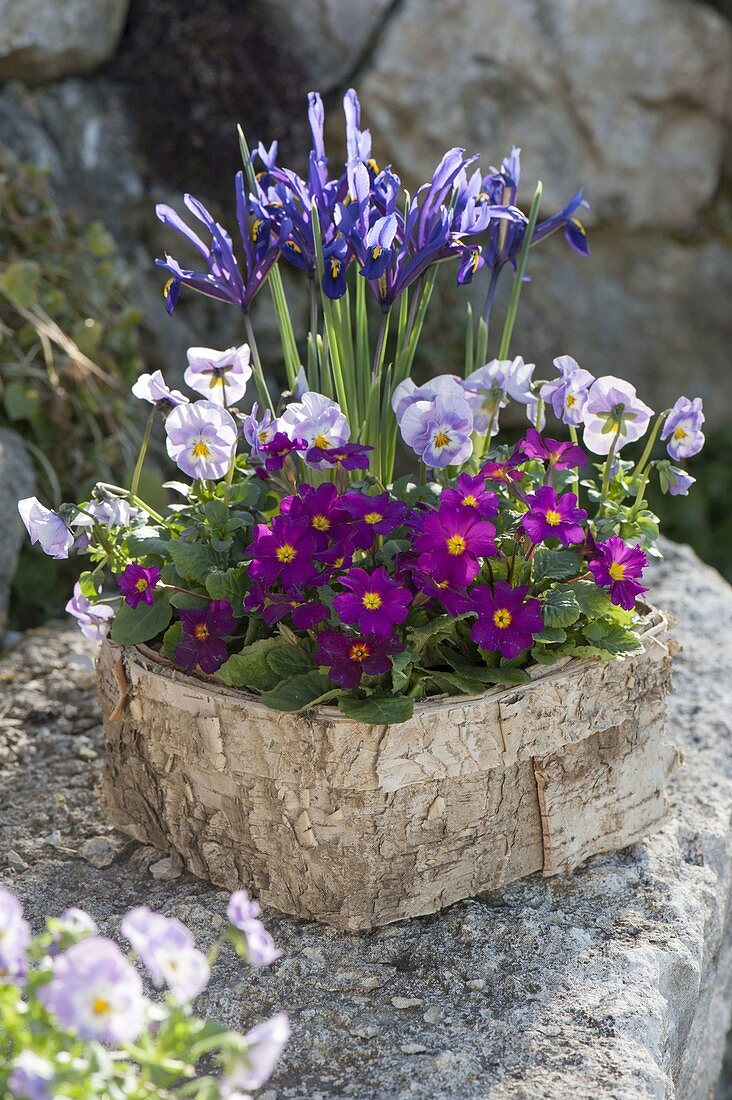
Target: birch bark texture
x,y
327,818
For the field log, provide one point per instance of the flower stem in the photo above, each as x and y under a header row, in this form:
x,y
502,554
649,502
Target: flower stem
x,y
513,303
640,468
257,365
608,467
134,486
641,490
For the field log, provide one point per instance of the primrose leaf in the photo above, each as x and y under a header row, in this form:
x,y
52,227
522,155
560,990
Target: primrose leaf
x,y
556,565
132,625
377,709
251,667
559,608
304,690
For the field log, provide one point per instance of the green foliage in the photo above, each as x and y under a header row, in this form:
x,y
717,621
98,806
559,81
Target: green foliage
x,y
131,626
377,708
69,352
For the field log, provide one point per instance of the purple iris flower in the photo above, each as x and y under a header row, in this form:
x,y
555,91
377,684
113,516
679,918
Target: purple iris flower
x,y
31,1077
567,395
168,950
45,528
93,618
450,542
617,567
204,629
348,657
153,388
472,493
223,279
14,939
336,257
560,456
682,428
506,620
378,247
375,515
283,550
374,601
220,376
252,1069
201,439
277,450
553,517
613,408
439,430
138,583
351,456
96,992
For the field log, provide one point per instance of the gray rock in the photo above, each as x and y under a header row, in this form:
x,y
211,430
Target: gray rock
x,y
42,40
614,982
17,480
627,98
330,37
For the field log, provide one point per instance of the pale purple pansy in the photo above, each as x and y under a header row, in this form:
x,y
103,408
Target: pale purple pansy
x,y
93,618
45,528
154,388
613,411
201,439
682,428
567,394
219,376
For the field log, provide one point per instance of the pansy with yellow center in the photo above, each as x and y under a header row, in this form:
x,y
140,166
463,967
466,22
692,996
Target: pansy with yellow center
x,y
201,439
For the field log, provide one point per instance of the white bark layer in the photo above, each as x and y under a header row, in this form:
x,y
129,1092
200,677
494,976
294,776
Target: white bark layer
x,y
357,826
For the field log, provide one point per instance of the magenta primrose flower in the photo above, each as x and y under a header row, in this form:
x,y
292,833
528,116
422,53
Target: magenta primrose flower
x,y
304,610
204,629
553,517
320,508
277,449
138,583
348,657
617,567
454,599
351,456
451,540
375,601
96,992
282,550
560,456
377,515
506,621
471,492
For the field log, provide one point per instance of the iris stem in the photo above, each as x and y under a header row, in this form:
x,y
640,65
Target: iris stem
x,y
257,365
381,345
134,486
513,303
488,307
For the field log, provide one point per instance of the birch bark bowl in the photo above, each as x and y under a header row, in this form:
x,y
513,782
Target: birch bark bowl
x,y
357,826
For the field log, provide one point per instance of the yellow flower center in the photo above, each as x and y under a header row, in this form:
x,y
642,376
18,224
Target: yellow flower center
x,y
502,617
263,436
141,585
335,266
293,246
470,501
359,652
376,251
286,552
570,401
321,523
442,439
201,449
680,433
456,545
322,442
553,518
100,1007
168,284
373,517
201,632
371,600
617,571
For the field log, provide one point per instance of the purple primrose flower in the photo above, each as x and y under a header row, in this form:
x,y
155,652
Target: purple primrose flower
x,y
348,656
506,620
351,456
560,456
201,439
96,992
450,541
554,517
472,493
682,428
138,583
46,528
204,629
375,602
376,515
617,567
278,449
282,550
